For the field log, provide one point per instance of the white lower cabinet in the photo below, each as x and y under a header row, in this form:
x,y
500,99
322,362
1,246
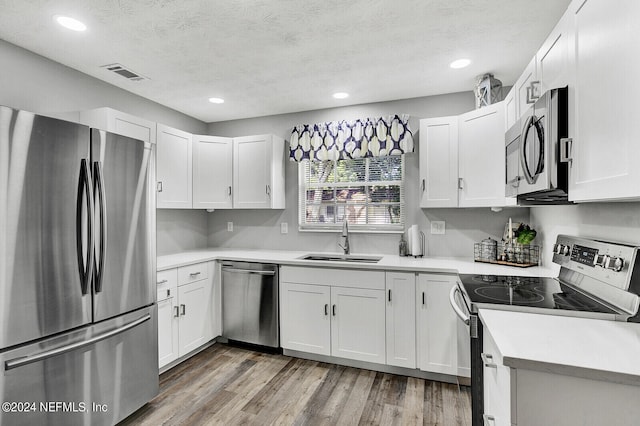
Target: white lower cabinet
x,y
186,310
304,317
437,329
167,287
401,319
333,312
497,385
358,324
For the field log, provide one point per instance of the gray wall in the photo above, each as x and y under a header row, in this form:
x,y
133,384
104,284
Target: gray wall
x,y
607,221
261,228
34,83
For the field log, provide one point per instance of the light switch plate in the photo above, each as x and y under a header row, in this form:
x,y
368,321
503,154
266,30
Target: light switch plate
x,y
230,226
437,227
284,228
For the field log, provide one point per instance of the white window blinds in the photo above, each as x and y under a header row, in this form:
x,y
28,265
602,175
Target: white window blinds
x,y
368,192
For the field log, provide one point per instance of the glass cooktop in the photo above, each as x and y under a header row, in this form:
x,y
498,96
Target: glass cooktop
x,y
533,292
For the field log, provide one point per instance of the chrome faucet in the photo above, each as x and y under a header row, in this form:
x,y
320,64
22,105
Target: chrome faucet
x,y
345,235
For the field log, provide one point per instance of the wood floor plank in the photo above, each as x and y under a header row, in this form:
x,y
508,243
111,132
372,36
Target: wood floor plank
x,y
225,385
433,404
413,407
357,400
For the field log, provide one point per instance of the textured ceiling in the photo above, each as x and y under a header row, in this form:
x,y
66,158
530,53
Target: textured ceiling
x,y
269,57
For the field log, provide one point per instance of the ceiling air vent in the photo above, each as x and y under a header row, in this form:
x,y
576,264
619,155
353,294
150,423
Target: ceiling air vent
x,y
125,72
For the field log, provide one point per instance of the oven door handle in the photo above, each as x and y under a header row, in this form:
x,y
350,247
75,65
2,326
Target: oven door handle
x,y
455,306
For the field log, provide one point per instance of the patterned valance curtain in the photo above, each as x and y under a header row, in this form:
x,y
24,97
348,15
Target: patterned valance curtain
x,y
341,140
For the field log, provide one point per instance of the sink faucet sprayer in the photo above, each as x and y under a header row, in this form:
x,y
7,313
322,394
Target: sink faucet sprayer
x,y
345,235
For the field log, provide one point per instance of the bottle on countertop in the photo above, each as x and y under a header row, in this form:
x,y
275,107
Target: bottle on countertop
x,y
402,246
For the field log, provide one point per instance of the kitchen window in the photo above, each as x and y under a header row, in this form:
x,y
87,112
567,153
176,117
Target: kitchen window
x,y
368,192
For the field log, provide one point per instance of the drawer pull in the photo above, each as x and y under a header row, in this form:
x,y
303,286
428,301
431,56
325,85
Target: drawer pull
x,y
162,282
487,359
194,274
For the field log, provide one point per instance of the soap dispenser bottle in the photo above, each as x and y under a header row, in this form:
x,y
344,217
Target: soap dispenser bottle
x,y
402,246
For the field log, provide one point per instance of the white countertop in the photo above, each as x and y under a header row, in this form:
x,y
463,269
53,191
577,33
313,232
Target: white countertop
x,y
453,265
590,348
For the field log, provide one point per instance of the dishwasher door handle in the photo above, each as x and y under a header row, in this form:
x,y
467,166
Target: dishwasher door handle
x,y
248,271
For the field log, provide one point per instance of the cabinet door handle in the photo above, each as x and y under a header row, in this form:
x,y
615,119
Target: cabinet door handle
x,y
177,313
389,295
424,184
161,282
487,359
460,183
268,190
229,191
194,274
326,309
423,298
159,186
565,150
168,292
488,420
184,309
333,310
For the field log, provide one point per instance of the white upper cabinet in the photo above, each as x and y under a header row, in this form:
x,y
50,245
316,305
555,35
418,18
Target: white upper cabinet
x,y
212,172
481,157
605,148
174,168
115,121
439,162
510,109
527,88
462,160
258,172
553,67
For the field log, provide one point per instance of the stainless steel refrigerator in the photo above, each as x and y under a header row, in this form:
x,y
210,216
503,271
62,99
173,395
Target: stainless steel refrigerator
x,y
78,325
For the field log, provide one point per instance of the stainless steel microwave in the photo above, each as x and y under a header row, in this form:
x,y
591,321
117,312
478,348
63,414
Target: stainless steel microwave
x,y
534,170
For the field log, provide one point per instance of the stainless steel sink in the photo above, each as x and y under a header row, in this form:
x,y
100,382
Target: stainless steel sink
x,y
355,258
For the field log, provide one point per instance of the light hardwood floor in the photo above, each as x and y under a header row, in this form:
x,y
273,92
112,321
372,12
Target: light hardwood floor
x,y
226,385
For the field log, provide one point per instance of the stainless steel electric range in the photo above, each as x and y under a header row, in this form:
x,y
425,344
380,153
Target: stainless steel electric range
x,y
597,279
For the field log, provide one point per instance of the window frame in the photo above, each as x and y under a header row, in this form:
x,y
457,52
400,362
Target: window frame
x,y
356,228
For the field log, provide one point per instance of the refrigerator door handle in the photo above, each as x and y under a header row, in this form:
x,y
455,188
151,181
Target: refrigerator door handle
x,y
25,360
85,270
98,188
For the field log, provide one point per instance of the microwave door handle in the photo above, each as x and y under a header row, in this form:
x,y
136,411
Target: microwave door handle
x,y
542,142
455,306
523,145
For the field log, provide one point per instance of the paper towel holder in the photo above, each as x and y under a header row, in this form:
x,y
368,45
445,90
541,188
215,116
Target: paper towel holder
x,y
422,241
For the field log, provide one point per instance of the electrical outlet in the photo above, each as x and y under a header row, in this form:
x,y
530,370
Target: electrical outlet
x,y
284,228
230,226
437,227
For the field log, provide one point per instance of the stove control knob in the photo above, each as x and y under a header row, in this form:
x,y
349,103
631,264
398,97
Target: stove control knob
x,y
559,248
615,264
600,260
566,250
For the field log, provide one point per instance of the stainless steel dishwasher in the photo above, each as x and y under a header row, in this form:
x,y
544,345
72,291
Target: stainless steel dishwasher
x,y
250,303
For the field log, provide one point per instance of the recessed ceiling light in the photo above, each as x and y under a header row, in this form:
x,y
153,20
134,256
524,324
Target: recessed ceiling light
x,y
340,95
460,63
216,100
70,23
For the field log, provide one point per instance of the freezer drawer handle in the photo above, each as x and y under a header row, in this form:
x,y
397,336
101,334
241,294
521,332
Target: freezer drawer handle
x,y
248,271
25,360
455,306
